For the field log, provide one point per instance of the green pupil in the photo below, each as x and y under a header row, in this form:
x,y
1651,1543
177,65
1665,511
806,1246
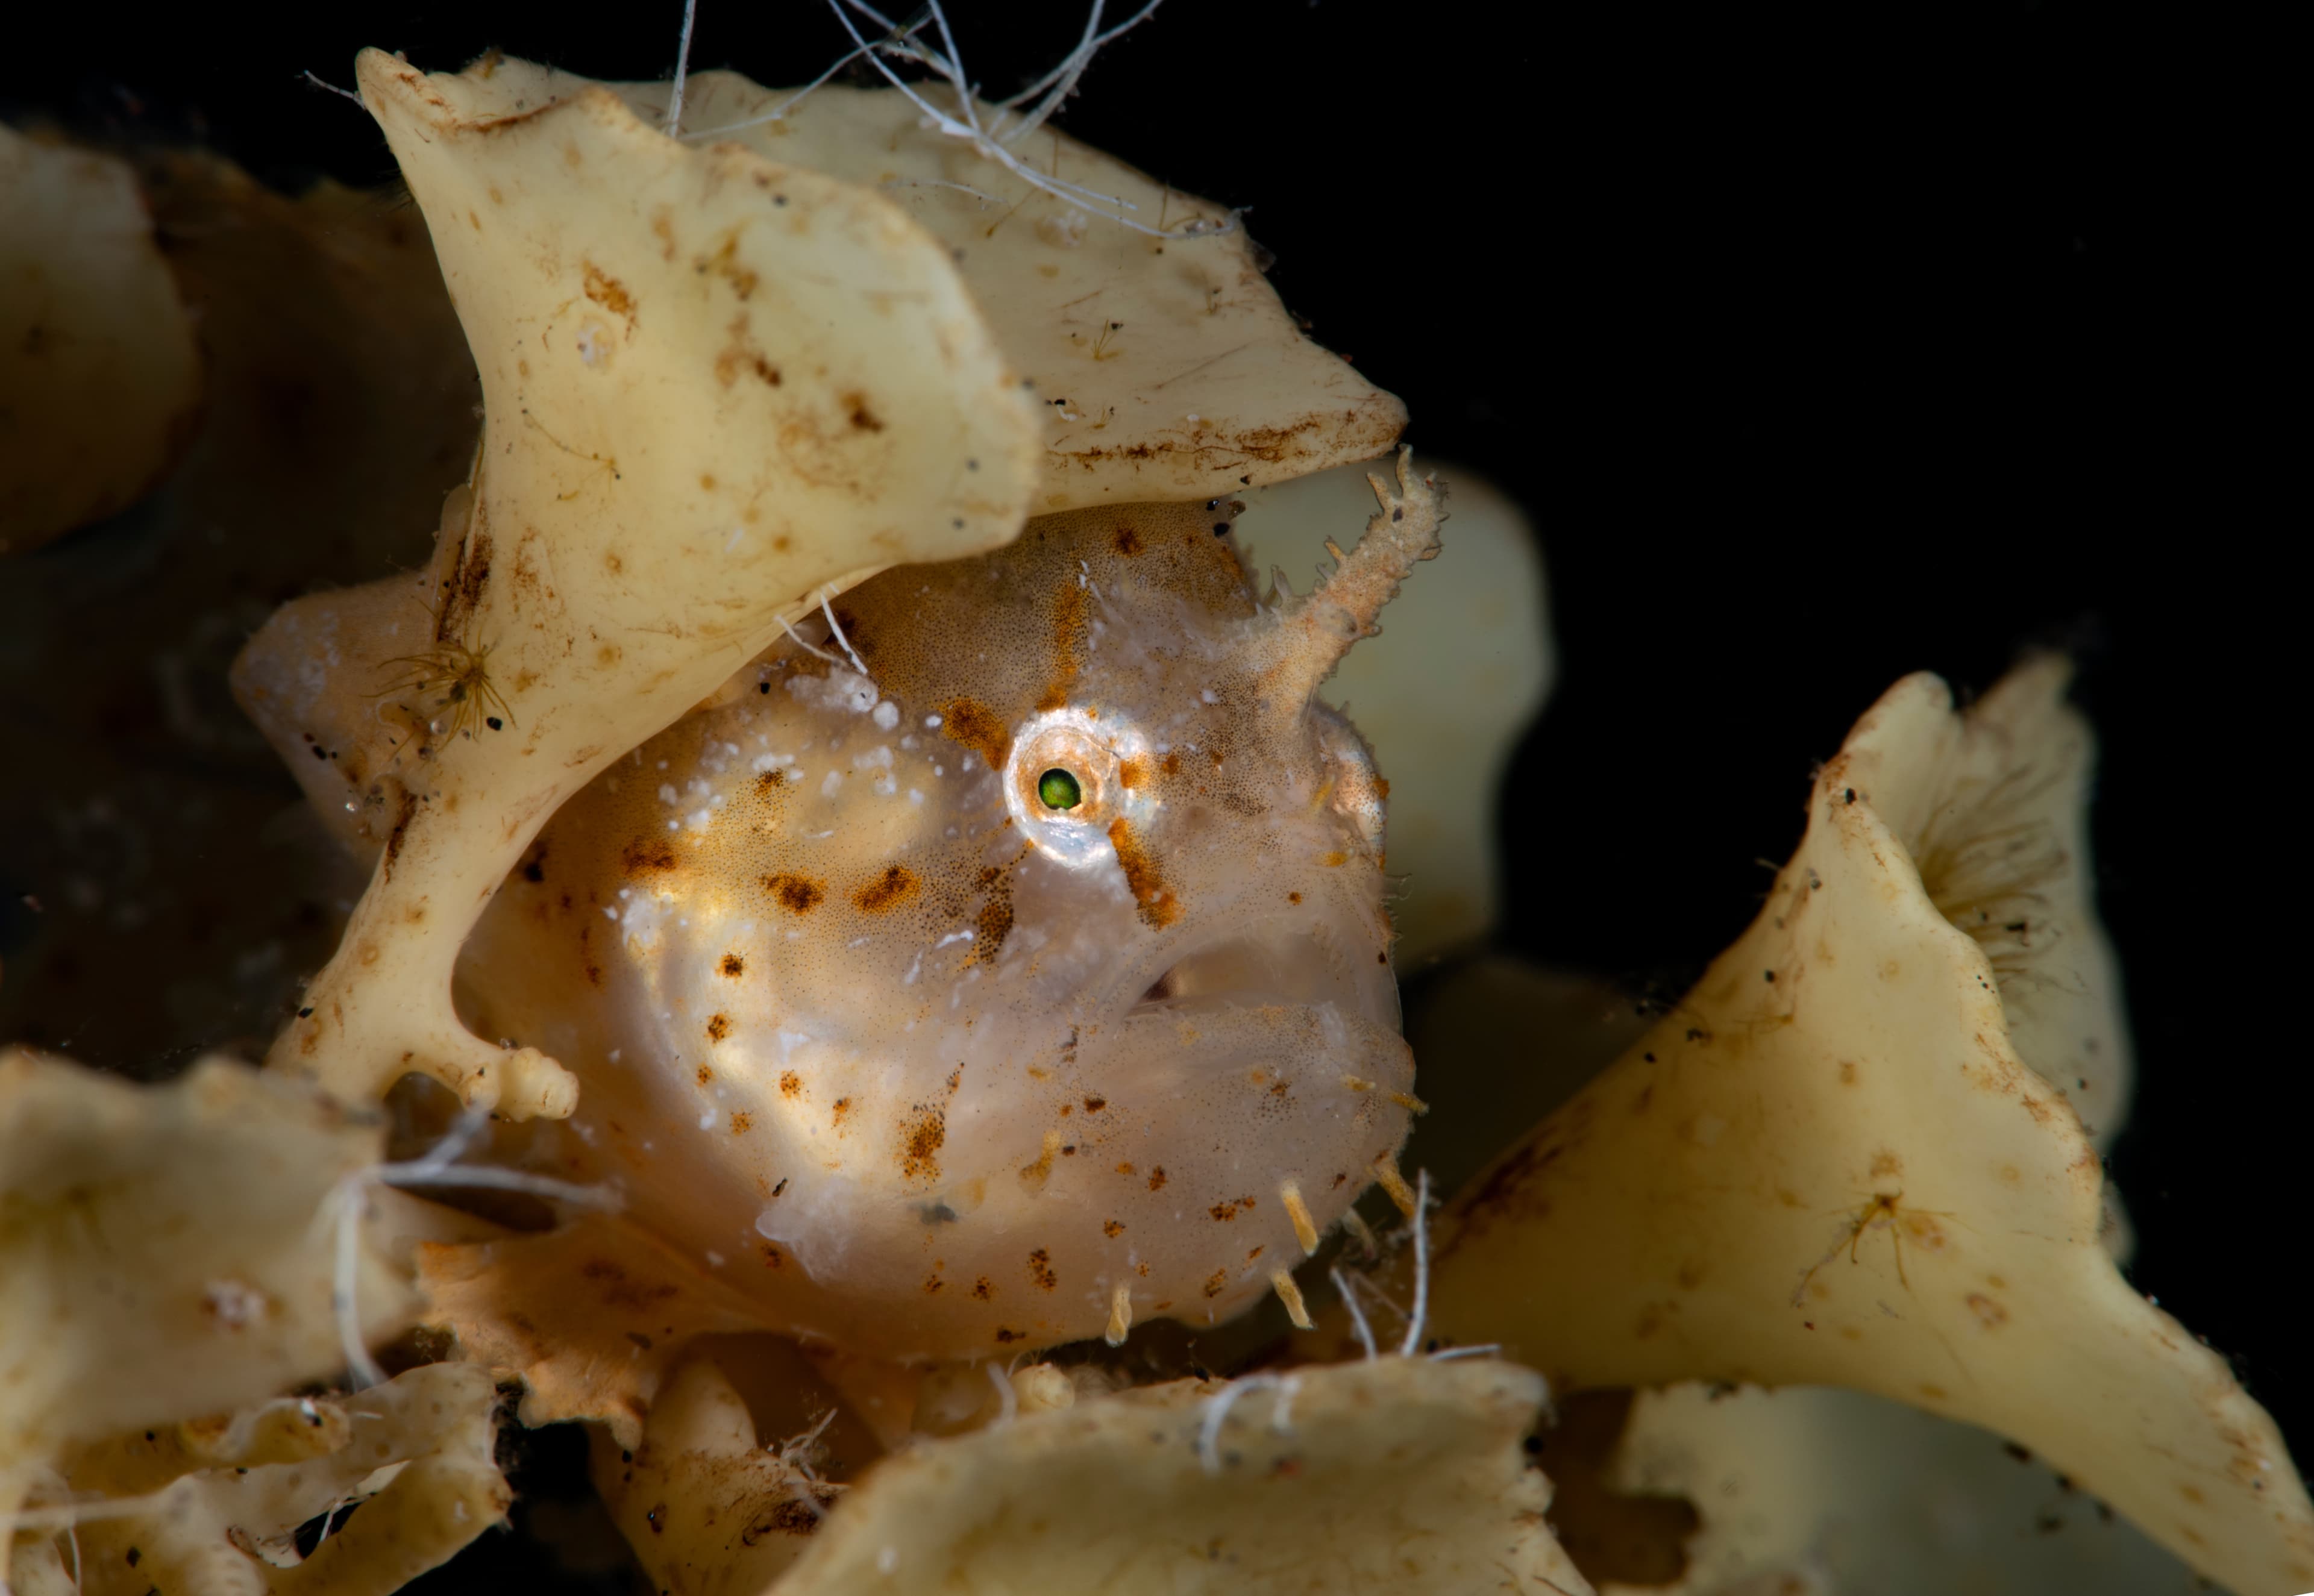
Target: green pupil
x,y
1059,789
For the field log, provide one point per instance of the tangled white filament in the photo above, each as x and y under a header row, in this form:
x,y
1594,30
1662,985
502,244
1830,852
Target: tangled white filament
x,y
903,44
1217,1412
437,1167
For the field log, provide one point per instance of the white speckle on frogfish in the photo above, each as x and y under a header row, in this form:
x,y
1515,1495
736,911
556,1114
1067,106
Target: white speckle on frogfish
x,y
1105,1016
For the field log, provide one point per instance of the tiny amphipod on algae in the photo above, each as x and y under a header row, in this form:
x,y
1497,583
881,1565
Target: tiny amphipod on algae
x,y
1010,969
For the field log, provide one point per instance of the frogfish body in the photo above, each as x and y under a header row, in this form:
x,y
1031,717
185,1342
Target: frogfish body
x,y
1008,963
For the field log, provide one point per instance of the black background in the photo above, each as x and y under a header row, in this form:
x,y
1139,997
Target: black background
x,y
1820,345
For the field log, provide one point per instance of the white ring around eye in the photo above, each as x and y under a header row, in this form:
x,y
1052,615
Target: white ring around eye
x,y
1095,753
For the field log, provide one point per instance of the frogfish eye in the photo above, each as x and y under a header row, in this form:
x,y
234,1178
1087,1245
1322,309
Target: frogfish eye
x,y
1065,783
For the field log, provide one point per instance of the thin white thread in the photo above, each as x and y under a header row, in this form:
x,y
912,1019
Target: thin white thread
x,y
1357,1315
798,1451
436,1166
1003,1381
814,652
681,71
1281,1417
836,631
1071,68
795,1455
1064,67
1421,1266
341,93
361,1368
1448,1355
1217,1409
1217,1412
1086,49
1364,1286
504,1180
949,65
329,1520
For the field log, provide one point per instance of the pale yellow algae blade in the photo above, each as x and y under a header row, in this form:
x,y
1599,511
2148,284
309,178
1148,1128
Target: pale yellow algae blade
x,y
1166,364
165,1251
715,388
1396,1473
100,377
1829,1165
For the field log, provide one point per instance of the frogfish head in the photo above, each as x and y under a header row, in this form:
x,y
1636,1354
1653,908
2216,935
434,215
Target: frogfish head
x,y
1011,963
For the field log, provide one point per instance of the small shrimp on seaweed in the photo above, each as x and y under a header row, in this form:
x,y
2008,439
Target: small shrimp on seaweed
x,y
453,685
